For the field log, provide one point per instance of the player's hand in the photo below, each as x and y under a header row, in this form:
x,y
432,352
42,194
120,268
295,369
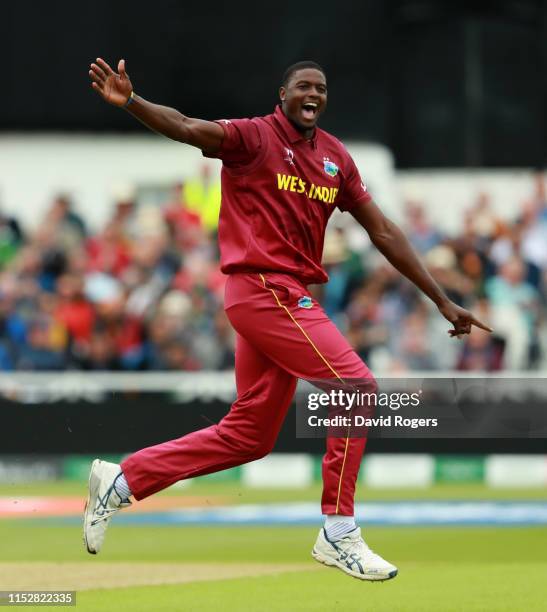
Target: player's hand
x,y
113,87
461,319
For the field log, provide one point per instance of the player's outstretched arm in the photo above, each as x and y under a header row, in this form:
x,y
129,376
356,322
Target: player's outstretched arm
x,y
394,245
117,89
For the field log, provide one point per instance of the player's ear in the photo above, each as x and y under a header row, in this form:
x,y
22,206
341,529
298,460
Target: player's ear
x,y
282,93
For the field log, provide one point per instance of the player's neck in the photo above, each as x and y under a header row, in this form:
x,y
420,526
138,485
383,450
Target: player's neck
x,y
307,133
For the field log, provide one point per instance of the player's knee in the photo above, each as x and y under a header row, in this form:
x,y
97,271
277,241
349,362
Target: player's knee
x,y
251,448
369,385
259,449
366,390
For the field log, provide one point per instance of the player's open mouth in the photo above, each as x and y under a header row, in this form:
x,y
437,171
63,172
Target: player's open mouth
x,y
309,110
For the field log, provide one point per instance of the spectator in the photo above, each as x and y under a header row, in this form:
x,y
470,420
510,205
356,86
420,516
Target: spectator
x,y
124,330
73,309
110,251
202,195
515,307
419,230
41,352
415,341
11,238
101,351
66,220
184,224
13,330
176,356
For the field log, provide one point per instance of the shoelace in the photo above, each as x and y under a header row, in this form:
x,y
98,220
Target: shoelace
x,y
102,512
105,515
359,547
103,501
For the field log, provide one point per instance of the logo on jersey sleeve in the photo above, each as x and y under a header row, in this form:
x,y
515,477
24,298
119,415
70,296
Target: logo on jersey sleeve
x,y
329,167
305,302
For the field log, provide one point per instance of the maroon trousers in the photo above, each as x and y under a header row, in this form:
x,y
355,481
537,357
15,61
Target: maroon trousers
x,y
278,342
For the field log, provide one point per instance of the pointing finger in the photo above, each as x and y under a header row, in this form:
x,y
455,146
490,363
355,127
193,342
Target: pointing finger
x,y
121,68
477,323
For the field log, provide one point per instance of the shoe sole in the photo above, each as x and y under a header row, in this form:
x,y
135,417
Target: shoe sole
x,y
93,491
370,577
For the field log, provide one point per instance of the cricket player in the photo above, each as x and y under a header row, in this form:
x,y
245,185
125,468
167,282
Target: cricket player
x,y
282,177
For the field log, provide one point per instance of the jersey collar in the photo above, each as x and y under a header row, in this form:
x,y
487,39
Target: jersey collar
x,y
292,134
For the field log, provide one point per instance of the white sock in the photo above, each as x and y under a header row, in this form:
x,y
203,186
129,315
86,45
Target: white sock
x,y
121,487
337,526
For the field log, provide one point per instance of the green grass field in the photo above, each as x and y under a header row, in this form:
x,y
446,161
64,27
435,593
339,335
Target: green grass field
x,y
441,569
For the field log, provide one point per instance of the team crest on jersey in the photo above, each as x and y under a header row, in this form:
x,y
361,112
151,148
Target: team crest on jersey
x,y
305,302
330,167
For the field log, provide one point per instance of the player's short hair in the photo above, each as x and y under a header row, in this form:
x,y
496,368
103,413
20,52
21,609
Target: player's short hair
x,y
300,66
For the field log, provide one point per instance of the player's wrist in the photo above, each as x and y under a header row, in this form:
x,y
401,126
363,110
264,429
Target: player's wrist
x,y
130,99
442,302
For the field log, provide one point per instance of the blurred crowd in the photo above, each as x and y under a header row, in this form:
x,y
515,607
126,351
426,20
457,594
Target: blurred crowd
x,y
146,292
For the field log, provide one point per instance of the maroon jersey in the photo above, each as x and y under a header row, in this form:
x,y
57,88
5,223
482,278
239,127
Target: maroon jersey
x,y
278,192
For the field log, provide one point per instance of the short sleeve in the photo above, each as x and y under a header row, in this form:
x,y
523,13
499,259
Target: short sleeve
x,y
354,189
241,143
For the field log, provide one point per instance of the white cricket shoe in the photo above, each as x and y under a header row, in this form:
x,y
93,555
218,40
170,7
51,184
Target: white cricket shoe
x,y
102,503
353,556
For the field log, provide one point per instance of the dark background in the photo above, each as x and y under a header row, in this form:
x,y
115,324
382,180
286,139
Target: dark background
x,y
442,83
